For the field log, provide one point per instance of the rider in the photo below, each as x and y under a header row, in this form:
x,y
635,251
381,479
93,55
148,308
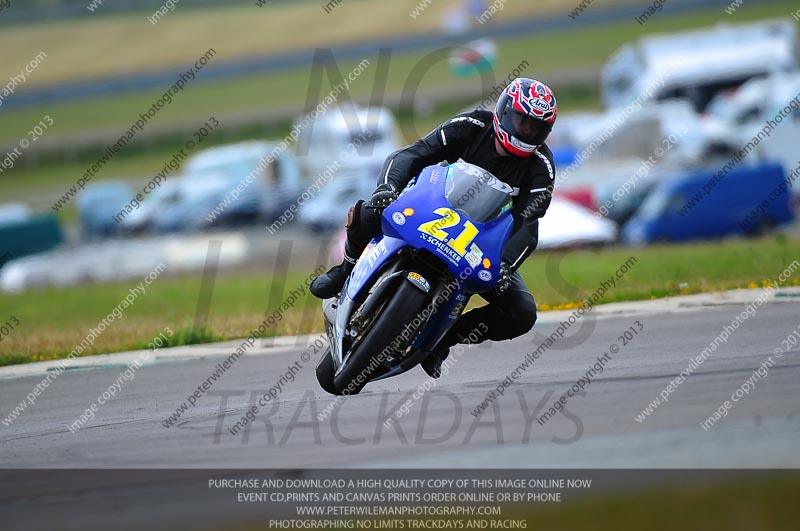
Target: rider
x,y
509,143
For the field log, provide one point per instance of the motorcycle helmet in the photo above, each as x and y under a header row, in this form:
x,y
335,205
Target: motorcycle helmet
x,y
524,116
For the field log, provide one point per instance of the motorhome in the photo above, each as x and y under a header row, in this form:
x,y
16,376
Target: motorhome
x,y
698,64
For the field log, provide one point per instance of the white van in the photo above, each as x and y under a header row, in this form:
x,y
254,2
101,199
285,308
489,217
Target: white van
x,y
373,130
698,64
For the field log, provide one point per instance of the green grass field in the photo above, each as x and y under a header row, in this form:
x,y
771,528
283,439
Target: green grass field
x,y
566,50
102,45
53,322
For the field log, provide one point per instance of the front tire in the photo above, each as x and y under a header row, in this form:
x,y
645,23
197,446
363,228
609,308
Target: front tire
x,y
325,372
402,309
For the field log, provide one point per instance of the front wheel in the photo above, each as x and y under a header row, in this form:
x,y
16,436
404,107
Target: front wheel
x,y
393,325
325,372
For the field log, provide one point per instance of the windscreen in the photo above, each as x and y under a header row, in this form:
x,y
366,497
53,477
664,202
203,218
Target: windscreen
x,y
476,192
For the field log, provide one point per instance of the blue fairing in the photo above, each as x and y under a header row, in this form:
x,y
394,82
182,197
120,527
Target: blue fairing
x,y
403,225
374,257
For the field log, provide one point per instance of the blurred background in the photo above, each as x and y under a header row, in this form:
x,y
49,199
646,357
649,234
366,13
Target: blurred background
x,y
137,132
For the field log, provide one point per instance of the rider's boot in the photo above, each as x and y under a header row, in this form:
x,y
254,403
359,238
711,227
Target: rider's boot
x,y
362,225
461,332
432,365
330,284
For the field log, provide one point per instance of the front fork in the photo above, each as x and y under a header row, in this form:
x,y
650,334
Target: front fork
x,y
345,321
447,301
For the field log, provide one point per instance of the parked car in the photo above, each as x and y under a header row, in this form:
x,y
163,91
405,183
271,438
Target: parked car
x,y
188,209
567,224
619,198
727,209
29,236
182,204
97,205
672,126
328,209
275,188
743,114
585,184
14,213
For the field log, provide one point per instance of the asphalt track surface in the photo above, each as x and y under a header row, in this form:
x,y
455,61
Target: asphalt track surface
x,y
597,429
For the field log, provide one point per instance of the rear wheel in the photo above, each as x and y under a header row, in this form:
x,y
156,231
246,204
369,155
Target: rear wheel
x,y
406,304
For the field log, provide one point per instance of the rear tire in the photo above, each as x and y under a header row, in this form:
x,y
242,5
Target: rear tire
x,y
325,371
407,302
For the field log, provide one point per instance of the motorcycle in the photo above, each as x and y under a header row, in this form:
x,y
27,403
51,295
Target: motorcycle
x,y
442,242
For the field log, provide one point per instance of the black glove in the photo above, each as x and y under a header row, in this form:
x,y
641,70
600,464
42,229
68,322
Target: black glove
x,y
383,196
503,279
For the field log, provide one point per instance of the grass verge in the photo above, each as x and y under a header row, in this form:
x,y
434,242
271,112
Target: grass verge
x,y
107,45
574,48
53,322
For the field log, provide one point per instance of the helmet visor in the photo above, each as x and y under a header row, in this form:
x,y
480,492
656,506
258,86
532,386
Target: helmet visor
x,y
525,129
